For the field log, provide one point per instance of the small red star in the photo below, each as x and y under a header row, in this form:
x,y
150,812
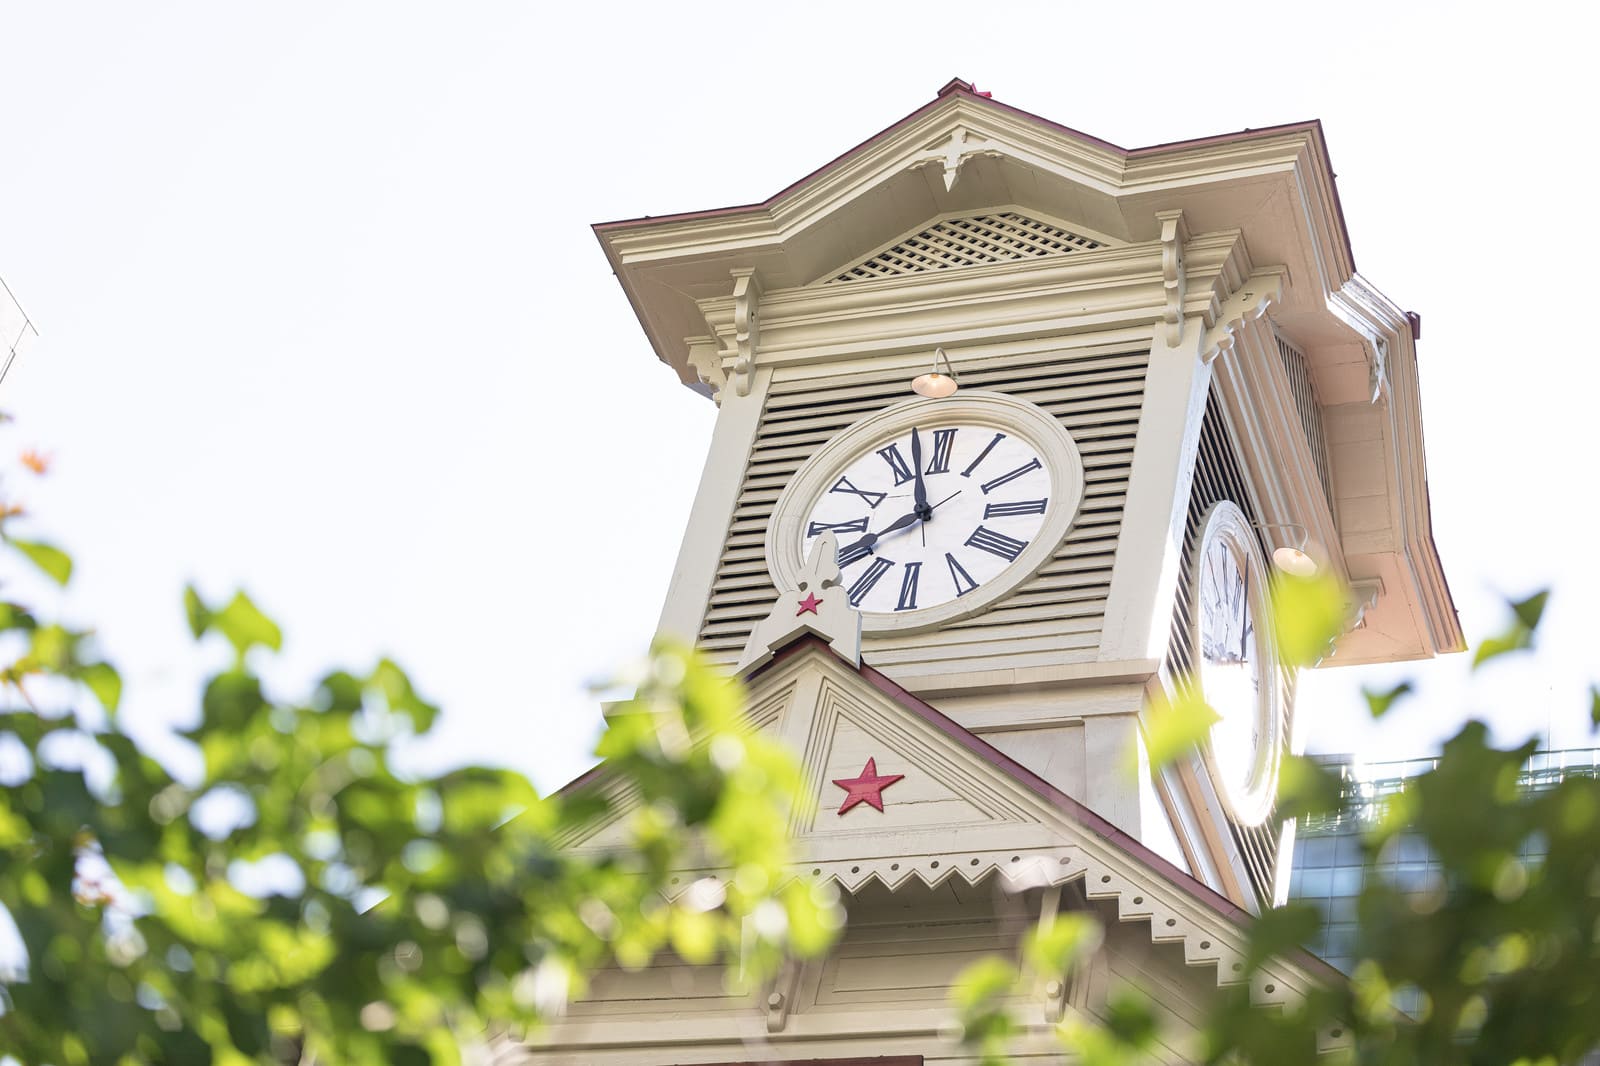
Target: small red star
x,y
808,605
867,787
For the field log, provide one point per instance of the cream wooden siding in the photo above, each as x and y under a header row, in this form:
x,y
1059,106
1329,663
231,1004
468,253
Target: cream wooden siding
x,y
1052,618
1218,476
1305,402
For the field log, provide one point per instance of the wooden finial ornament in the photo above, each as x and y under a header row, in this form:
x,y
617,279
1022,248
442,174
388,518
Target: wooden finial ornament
x,y
817,605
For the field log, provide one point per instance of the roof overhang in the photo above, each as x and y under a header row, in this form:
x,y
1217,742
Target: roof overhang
x,y
1274,184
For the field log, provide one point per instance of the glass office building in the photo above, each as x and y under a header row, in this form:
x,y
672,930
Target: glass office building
x,y
1328,868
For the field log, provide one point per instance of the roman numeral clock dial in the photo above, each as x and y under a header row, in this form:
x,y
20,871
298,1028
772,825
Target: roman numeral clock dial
x,y
1235,664
939,506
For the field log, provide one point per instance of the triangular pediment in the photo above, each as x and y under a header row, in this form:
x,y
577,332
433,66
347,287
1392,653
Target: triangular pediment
x,y
973,240
956,808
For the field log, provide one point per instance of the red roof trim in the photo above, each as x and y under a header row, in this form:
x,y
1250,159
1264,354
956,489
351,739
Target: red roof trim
x,y
1181,879
1001,761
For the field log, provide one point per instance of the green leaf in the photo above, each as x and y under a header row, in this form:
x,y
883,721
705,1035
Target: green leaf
x,y
1530,610
1281,929
1062,945
1517,638
195,609
15,616
52,560
1172,728
245,626
1306,788
103,680
694,935
1380,703
1308,615
1594,706
401,697
230,701
983,983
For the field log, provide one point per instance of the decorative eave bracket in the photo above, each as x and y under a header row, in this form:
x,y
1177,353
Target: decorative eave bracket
x,y
952,153
1364,596
1263,289
746,326
1174,235
705,356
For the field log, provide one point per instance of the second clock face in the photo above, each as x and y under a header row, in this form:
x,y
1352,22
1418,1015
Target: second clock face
x,y
1235,662
1230,660
932,514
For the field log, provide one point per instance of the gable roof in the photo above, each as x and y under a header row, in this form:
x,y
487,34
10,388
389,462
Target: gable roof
x,y
964,89
964,808
1275,185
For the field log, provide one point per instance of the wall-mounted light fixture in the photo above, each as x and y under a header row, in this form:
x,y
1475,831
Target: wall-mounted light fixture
x,y
1293,558
933,384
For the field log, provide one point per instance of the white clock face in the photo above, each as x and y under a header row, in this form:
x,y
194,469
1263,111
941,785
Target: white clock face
x,y
1231,667
932,514
1236,664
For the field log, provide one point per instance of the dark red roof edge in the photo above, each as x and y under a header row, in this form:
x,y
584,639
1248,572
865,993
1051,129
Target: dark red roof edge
x,y
957,87
1180,879
1060,800
1001,761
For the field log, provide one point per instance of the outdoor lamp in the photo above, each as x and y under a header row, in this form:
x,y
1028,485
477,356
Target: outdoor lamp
x,y
933,384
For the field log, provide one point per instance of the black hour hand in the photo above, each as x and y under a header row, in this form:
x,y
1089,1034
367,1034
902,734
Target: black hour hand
x,y
863,546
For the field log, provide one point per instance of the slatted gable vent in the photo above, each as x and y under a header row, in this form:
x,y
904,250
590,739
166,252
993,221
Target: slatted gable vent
x,y
1056,615
980,240
1305,402
1218,476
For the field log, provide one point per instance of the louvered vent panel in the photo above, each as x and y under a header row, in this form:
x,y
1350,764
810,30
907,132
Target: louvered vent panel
x,y
1056,614
976,241
1217,476
1305,402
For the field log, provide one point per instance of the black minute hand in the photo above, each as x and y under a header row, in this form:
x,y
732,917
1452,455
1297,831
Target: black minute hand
x,y
921,496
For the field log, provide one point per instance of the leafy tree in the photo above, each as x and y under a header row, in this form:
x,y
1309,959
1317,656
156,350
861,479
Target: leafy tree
x,y
302,899
1497,960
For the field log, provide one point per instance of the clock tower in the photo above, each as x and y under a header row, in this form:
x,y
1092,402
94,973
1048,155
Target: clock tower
x,y
1169,373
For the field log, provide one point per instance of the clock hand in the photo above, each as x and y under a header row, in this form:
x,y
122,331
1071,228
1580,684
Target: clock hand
x,y
1244,606
921,497
932,509
896,526
872,538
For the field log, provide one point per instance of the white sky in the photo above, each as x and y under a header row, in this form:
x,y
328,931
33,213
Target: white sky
x,y
321,314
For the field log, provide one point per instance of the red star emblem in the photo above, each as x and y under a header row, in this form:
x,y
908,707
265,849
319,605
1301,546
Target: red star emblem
x,y
808,605
867,787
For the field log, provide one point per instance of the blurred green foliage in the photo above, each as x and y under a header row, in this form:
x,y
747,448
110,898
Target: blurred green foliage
x,y
303,899
1496,960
